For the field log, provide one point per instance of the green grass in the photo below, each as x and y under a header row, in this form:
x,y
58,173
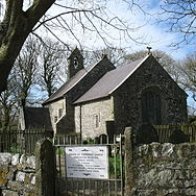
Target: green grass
x,y
115,166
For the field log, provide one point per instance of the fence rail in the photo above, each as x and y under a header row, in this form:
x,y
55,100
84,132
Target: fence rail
x,y
24,141
167,132
21,141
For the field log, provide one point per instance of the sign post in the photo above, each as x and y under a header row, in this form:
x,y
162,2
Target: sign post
x,y
87,162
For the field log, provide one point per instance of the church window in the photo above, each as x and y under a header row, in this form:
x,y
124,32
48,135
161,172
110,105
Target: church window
x,y
97,120
75,62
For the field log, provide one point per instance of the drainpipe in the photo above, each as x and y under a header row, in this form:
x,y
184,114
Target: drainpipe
x,y
80,123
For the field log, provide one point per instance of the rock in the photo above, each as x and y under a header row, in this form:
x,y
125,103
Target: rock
x,y
31,162
155,150
3,175
5,158
163,178
167,149
14,186
23,159
9,193
20,176
33,179
15,159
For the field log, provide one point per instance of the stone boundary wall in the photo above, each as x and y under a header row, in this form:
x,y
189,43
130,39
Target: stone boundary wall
x,y
17,174
159,169
29,175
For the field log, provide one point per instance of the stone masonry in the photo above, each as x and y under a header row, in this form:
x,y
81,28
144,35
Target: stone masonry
x,y
29,175
128,98
165,169
148,95
85,118
17,174
160,169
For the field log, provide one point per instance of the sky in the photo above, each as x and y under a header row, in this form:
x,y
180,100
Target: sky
x,y
151,33
145,28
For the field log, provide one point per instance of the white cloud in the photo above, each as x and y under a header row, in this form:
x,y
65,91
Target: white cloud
x,y
149,33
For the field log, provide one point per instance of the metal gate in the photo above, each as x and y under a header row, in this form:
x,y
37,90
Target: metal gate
x,y
113,185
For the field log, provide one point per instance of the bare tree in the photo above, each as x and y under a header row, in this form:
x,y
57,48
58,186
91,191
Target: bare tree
x,y
188,69
19,83
14,29
25,68
8,104
19,21
51,66
115,55
180,16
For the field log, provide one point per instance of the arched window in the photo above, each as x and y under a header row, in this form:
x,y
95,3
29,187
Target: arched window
x,y
75,62
151,106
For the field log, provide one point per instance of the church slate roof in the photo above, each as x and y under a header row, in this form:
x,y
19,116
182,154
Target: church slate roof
x,y
65,88
111,81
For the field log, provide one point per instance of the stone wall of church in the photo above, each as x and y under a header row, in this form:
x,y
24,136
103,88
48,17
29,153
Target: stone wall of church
x,y
94,74
91,118
128,98
57,111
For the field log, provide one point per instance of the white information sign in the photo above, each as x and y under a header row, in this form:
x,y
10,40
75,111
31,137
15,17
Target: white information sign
x,y
87,162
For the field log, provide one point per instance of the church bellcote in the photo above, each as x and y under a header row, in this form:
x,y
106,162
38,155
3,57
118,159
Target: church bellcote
x,y
75,62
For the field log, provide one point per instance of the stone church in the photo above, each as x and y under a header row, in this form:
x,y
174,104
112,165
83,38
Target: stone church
x,y
103,99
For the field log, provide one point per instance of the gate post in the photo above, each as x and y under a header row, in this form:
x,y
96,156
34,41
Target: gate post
x,y
45,168
129,173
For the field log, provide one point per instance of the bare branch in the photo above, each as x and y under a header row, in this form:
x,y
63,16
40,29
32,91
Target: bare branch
x,y
180,16
90,16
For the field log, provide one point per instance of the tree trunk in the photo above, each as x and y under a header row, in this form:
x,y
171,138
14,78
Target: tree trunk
x,y
14,30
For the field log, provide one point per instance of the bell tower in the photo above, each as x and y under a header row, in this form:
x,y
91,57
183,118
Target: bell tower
x,y
75,62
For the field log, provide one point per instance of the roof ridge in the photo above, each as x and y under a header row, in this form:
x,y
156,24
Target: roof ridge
x,y
85,70
108,91
136,67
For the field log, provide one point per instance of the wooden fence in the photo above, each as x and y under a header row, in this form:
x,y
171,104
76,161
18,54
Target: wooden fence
x,y
165,132
18,141
24,141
